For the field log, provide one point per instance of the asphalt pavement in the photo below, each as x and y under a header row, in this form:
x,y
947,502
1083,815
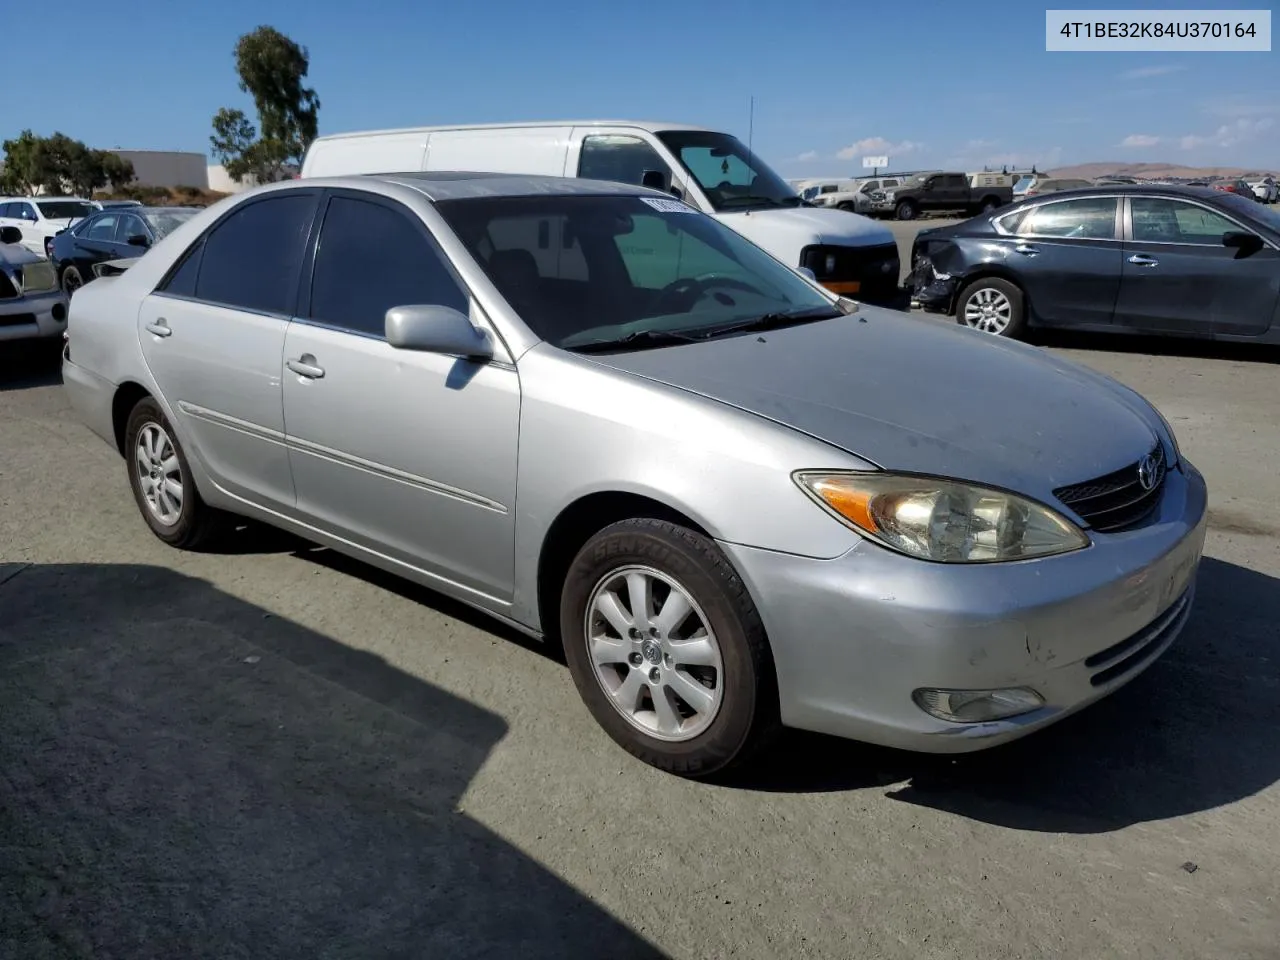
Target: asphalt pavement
x,y
273,751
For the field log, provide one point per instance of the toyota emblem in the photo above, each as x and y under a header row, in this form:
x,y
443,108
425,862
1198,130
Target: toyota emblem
x,y
1148,472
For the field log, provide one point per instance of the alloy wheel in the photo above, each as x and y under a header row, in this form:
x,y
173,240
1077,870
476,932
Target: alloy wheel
x,y
159,473
988,310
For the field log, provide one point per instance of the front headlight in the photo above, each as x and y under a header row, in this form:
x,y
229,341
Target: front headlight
x,y
888,197
38,277
1175,454
942,520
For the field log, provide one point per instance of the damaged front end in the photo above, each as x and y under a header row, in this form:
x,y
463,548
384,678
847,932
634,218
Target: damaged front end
x,y
933,286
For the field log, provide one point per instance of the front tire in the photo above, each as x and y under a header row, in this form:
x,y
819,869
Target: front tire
x,y
162,484
992,305
906,210
667,649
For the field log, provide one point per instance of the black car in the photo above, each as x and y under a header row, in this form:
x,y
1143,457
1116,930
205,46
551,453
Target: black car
x,y
1167,260
116,233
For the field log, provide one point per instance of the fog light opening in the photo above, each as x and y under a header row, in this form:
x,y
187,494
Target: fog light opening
x,y
977,706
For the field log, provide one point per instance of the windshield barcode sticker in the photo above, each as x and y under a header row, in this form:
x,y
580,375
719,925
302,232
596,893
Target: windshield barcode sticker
x,y
668,206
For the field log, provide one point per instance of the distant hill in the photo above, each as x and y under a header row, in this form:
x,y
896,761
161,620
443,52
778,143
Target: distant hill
x,y
1155,171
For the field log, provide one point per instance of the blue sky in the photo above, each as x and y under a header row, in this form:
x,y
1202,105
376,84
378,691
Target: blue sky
x,y
929,83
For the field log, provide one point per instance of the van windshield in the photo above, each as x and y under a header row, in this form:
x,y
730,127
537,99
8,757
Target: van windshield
x,y
626,272
732,177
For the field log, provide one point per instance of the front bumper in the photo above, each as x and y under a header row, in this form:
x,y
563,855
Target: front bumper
x,y
35,316
853,637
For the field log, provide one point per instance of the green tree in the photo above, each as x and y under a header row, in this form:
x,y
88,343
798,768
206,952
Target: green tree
x,y
271,68
24,164
59,164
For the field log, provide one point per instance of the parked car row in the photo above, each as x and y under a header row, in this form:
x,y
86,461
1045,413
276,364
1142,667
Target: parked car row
x,y
115,233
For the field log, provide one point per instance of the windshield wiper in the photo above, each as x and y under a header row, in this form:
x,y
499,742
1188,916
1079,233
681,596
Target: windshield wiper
x,y
639,340
771,201
772,321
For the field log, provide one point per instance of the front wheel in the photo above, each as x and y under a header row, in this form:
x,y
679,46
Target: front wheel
x,y
667,649
906,210
993,306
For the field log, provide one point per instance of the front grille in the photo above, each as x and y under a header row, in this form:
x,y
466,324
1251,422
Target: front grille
x,y
1132,652
1119,499
874,266
16,319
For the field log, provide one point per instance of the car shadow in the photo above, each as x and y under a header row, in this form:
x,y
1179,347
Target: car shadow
x,y
186,775
26,364
1194,732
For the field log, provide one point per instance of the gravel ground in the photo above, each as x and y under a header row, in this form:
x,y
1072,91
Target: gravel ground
x,y
276,752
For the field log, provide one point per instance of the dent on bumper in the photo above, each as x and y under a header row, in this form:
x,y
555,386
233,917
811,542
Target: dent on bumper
x,y
853,637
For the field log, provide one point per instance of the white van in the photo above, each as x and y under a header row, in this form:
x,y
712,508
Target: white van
x,y
714,172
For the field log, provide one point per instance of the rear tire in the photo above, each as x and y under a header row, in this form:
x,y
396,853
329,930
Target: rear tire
x,y
160,478
994,306
686,682
71,280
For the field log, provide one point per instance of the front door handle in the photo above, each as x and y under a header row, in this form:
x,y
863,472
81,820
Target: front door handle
x,y
1027,249
306,366
160,327
1141,260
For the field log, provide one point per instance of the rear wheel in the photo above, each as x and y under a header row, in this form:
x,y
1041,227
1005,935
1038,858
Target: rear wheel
x,y
993,306
161,481
667,649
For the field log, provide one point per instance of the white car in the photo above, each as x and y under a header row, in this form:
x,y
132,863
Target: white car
x,y
31,303
1266,190
40,218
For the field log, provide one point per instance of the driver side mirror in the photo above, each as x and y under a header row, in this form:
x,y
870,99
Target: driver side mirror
x,y
139,240
1242,240
10,235
430,328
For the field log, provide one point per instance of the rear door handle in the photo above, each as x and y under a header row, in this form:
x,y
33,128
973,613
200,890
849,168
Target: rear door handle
x,y
1027,249
306,366
1140,260
160,328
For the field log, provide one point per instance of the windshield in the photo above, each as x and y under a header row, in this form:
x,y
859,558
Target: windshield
x,y
65,209
582,270
1244,207
731,176
164,221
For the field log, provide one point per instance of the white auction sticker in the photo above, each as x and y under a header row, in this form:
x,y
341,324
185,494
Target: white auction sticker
x,y
668,206
1162,31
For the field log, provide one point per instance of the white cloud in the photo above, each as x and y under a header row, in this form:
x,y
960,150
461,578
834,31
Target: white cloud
x,y
1140,140
1157,71
807,156
1229,134
878,145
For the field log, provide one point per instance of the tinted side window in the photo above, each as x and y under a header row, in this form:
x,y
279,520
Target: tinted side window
x,y
372,258
251,259
1157,220
129,226
1089,218
619,158
103,229
182,281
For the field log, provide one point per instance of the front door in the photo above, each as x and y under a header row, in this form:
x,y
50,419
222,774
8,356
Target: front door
x,y
1179,277
213,337
624,156
1066,254
411,455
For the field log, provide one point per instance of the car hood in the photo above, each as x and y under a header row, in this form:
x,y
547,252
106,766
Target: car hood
x,y
784,232
913,395
15,254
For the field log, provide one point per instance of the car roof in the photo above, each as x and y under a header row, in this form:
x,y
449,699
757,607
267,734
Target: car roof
x,y
1137,189
463,185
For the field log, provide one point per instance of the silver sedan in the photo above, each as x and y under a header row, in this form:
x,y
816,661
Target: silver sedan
x,y
736,500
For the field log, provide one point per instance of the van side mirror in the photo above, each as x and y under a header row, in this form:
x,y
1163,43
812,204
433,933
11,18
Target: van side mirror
x,y
10,235
430,328
654,180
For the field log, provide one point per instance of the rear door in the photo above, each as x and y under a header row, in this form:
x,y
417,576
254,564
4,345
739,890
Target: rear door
x,y
1179,278
213,337
1066,255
